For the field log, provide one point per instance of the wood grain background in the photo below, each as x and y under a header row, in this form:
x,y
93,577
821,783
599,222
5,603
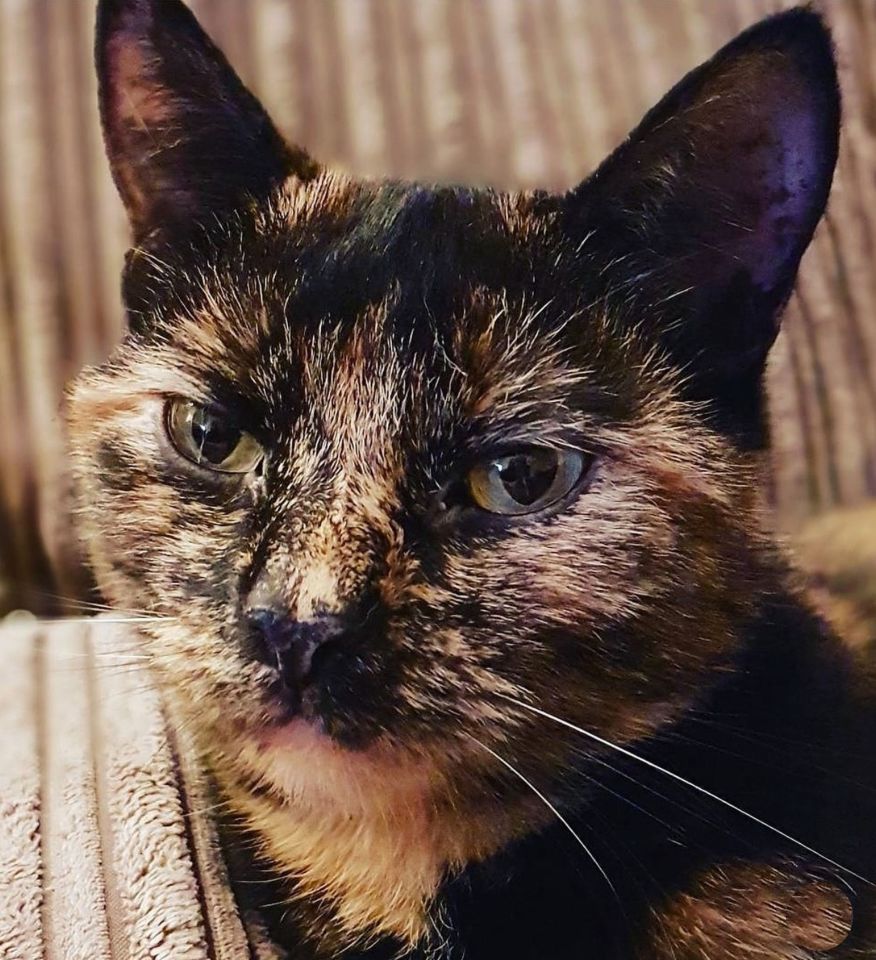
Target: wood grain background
x,y
510,92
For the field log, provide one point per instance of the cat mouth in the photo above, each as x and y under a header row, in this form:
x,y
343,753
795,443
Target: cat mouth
x,y
295,704
285,702
338,705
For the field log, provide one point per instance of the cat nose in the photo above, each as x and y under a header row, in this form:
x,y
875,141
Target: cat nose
x,y
294,647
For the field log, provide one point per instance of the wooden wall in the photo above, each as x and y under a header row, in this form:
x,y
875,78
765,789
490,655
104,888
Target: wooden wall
x,y
513,92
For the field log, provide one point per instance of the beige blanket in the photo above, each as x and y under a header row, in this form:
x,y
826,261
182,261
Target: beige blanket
x,y
107,848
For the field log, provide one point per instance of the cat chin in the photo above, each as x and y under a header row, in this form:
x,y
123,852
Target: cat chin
x,y
298,736
303,763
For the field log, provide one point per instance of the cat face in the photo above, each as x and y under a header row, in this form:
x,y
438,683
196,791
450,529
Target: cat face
x,y
385,455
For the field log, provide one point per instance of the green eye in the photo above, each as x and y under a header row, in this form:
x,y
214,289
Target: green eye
x,y
525,482
206,436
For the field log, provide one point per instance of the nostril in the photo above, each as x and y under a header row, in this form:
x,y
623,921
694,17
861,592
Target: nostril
x,y
295,648
314,638
321,650
323,657
270,633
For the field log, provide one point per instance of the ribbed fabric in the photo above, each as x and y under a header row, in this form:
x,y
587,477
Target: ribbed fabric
x,y
21,896
513,92
107,846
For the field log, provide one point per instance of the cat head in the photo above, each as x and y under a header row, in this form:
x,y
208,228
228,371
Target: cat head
x,y
385,455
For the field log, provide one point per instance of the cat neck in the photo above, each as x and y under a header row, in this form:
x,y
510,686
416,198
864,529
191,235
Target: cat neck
x,y
748,774
412,874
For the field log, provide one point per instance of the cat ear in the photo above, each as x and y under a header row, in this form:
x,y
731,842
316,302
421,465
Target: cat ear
x,y
700,218
185,138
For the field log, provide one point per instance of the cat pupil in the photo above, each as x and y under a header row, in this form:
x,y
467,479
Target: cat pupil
x,y
214,440
527,476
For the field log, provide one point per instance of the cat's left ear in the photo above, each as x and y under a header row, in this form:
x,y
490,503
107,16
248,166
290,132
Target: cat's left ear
x,y
697,223
186,140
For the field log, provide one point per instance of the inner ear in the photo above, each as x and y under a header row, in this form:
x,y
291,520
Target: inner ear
x,y
702,216
185,138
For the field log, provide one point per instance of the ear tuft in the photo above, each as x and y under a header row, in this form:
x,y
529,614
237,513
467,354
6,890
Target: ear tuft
x,y
705,211
184,137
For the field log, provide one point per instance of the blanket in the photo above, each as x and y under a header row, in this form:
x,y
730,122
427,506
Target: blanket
x,y
107,847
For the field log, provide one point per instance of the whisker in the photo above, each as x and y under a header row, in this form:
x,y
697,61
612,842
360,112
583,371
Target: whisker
x,y
553,810
664,798
221,806
82,604
688,783
106,669
775,762
101,655
94,621
104,697
761,737
649,876
675,832
97,621
596,782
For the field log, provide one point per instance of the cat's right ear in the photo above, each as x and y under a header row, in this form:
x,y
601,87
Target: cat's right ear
x,y
186,140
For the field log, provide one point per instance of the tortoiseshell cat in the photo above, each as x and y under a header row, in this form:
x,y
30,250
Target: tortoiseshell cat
x,y
449,499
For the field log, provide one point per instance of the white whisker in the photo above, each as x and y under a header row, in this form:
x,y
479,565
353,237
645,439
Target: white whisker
x,y
82,604
688,783
553,810
97,621
124,657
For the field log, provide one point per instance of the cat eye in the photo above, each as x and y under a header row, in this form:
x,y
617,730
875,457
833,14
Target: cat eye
x,y
525,481
208,437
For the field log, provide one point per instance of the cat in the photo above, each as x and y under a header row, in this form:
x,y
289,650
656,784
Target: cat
x,y
445,505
